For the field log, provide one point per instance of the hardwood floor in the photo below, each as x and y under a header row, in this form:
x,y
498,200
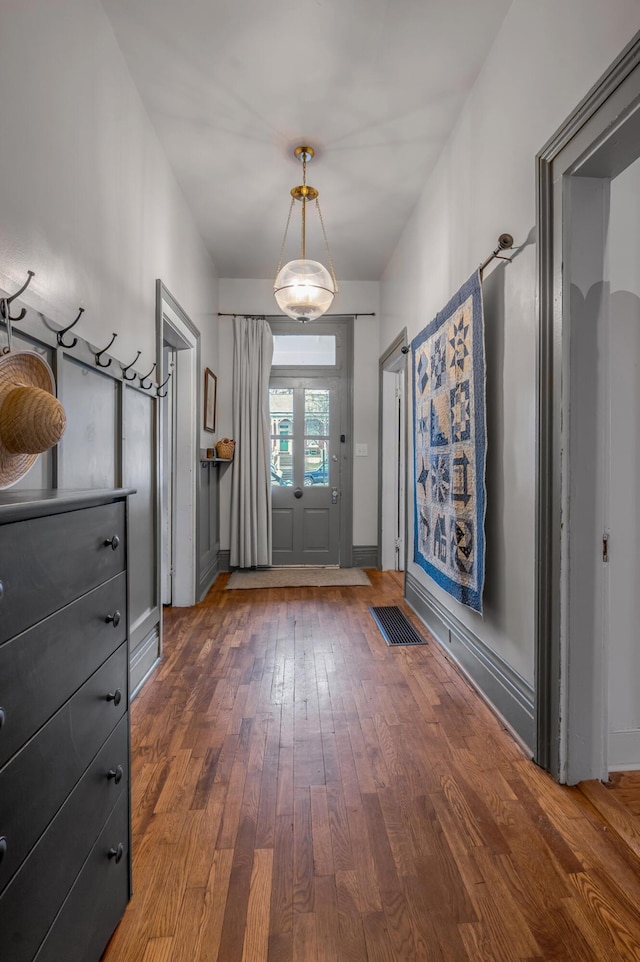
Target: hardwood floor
x,y
625,786
303,792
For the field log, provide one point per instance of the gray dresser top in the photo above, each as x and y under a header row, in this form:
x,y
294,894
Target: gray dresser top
x,y
16,505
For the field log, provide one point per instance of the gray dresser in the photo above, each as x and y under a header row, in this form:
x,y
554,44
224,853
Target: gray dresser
x,y
65,869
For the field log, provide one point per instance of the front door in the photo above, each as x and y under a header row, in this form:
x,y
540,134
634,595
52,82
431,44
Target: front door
x,y
305,470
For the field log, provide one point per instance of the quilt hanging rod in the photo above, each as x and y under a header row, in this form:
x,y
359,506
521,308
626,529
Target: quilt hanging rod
x,y
505,243
263,317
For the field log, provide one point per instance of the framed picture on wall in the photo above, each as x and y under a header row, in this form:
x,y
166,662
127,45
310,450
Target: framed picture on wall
x,y
210,389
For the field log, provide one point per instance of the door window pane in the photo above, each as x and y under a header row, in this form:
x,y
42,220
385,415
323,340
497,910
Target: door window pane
x,y
316,412
281,418
302,350
316,461
316,433
281,411
281,467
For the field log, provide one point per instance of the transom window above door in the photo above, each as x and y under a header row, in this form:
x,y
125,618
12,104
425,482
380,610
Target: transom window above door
x,y
304,350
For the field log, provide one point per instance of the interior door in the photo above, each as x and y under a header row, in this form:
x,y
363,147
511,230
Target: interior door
x,y
305,470
168,471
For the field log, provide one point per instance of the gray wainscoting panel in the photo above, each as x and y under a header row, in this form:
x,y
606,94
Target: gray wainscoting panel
x,y
110,435
144,660
88,450
139,470
508,692
208,493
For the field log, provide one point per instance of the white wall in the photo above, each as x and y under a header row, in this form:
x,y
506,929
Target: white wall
x,y
543,62
244,296
88,200
623,522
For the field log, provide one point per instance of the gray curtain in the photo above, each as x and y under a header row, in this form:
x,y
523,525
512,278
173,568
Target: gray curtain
x,y
251,479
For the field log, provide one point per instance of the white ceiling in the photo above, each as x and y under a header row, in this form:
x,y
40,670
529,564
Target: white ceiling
x,y
232,86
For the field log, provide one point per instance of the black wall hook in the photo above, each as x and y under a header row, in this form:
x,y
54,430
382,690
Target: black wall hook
x,y
130,377
5,303
145,387
160,393
4,310
60,334
99,354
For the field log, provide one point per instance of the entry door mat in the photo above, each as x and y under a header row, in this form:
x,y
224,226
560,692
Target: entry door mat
x,y
297,578
450,444
395,627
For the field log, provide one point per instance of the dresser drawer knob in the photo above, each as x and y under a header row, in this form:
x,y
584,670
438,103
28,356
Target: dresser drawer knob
x,y
116,774
115,696
3,846
114,619
114,542
116,853
2,718
1,590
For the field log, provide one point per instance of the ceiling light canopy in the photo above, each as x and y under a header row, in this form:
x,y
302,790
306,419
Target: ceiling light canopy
x,y
304,289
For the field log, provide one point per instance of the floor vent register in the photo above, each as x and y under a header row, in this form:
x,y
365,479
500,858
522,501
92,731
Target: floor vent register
x,y
395,627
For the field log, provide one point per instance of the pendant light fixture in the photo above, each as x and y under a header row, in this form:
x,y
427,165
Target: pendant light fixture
x,y
304,289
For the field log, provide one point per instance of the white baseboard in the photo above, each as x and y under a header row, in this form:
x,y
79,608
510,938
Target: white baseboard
x,y
624,751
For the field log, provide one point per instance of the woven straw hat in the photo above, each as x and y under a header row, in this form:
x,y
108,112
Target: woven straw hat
x,y
32,419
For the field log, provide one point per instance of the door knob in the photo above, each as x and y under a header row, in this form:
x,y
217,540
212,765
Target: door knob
x,y
297,493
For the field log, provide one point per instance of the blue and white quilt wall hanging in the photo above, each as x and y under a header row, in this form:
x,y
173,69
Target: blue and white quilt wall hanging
x,y
450,442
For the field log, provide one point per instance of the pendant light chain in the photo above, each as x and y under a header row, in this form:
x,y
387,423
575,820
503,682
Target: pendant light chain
x,y
304,289
303,246
284,239
324,234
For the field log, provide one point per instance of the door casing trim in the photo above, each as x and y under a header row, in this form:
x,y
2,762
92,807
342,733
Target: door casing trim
x,y
594,124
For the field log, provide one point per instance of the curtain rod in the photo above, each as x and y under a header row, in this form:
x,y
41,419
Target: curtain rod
x,y
505,242
282,317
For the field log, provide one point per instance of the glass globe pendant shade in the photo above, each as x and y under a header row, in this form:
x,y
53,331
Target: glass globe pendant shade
x,y
304,290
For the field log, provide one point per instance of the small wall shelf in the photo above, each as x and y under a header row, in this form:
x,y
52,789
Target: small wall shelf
x,y
215,460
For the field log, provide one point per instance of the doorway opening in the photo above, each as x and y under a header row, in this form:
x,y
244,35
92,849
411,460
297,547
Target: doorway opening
x,y
588,709
392,431
178,344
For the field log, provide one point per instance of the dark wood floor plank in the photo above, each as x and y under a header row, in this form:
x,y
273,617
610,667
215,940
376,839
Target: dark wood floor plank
x,y
217,891
322,849
303,881
256,936
350,918
339,829
281,907
326,913
394,906
304,793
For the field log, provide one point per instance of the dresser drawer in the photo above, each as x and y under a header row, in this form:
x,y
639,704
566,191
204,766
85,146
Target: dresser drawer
x,y
47,562
41,668
97,900
29,904
38,779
